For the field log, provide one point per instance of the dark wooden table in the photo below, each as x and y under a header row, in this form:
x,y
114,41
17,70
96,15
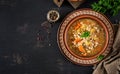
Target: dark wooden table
x,y
20,50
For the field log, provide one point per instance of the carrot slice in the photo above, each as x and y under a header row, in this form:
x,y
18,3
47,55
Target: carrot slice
x,y
81,49
85,54
77,26
77,40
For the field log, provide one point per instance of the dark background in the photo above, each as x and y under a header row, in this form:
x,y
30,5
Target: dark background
x,y
20,48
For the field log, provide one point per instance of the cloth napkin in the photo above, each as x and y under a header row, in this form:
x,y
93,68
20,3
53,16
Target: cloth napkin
x,y
111,65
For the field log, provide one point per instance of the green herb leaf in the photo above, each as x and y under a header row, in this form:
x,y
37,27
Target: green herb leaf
x,y
85,34
107,6
100,57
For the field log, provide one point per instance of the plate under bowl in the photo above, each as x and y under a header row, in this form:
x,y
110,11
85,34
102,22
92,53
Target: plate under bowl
x,y
79,14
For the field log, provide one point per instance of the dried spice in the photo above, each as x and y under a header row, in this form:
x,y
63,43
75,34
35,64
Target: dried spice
x,y
47,28
44,35
53,16
40,39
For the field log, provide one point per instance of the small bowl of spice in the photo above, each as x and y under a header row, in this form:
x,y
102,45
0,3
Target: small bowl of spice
x,y
53,16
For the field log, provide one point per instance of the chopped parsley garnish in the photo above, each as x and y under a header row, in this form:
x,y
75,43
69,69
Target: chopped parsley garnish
x,y
85,34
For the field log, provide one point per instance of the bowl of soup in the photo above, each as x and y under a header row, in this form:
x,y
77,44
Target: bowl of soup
x,y
85,37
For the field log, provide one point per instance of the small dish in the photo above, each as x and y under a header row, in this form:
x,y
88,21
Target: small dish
x,y
53,16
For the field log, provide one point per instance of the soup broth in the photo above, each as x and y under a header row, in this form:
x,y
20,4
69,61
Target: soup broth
x,y
86,37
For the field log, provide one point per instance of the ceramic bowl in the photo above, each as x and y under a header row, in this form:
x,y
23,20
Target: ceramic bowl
x,y
63,33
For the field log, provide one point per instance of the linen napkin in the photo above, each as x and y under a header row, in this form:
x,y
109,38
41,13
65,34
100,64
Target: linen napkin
x,y
111,65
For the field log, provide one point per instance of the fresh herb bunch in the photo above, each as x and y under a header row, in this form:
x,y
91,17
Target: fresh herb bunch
x,y
110,6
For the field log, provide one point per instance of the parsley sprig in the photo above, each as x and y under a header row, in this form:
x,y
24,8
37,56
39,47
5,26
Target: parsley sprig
x,y
100,57
107,6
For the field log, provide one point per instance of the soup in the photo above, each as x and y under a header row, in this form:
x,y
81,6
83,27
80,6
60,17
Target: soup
x,y
86,37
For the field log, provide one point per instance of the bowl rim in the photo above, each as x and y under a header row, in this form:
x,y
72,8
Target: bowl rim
x,y
90,17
